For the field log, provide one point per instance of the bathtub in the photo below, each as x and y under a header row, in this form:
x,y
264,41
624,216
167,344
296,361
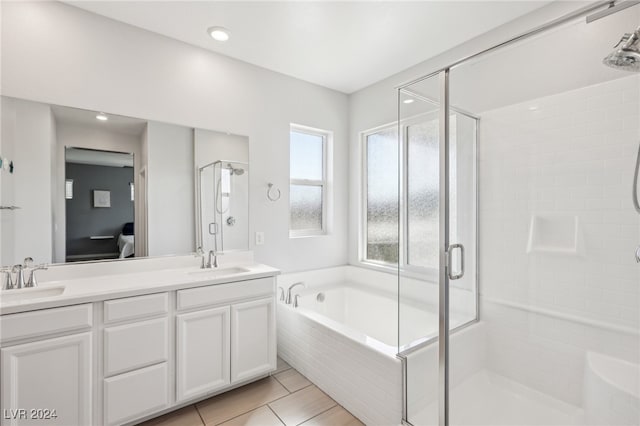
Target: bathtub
x,y
344,336
611,391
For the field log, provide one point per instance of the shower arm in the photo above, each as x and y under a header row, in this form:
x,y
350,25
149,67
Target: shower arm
x,y
636,204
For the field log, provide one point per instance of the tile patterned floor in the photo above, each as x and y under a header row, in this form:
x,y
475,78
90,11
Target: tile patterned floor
x,y
286,398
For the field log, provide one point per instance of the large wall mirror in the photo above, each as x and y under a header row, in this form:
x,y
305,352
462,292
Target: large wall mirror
x,y
79,185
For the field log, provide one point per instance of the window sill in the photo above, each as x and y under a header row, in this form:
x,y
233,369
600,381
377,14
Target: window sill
x,y
307,235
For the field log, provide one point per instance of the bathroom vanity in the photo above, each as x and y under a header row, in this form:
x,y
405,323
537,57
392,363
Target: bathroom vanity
x,y
120,348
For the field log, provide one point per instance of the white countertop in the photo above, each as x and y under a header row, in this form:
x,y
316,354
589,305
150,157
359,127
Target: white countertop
x,y
112,286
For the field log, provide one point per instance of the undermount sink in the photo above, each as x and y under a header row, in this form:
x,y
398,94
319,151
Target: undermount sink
x,y
216,272
9,296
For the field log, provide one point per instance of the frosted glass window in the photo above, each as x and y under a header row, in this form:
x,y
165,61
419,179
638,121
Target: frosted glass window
x,y
308,181
306,207
422,194
382,196
306,156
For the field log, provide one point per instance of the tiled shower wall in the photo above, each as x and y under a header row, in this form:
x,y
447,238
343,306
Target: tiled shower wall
x,y
561,157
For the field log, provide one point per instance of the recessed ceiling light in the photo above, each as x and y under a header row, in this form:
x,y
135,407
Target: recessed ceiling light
x,y
102,117
219,33
408,101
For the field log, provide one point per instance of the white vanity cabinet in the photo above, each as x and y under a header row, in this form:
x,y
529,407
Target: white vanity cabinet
x,y
135,357
253,339
202,352
47,367
229,336
122,360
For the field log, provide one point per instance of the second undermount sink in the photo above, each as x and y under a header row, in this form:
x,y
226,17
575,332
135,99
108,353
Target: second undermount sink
x,y
217,272
10,296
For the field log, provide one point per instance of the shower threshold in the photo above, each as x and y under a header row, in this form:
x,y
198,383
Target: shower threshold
x,y
486,398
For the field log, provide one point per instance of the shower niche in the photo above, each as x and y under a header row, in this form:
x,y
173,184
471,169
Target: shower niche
x,y
222,182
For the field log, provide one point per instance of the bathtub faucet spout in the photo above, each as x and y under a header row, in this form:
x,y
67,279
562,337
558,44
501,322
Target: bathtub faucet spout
x,y
288,299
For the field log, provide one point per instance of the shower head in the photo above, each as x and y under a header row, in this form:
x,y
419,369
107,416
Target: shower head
x,y
235,171
626,55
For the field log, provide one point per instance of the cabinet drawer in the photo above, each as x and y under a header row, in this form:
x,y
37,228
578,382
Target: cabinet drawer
x,y
44,322
136,394
224,293
136,345
135,307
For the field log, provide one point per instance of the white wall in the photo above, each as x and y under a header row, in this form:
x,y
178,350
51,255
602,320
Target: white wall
x,y
27,139
55,53
573,157
170,192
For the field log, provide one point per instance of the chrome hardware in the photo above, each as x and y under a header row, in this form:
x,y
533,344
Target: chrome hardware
x,y
231,221
638,254
200,253
19,271
8,283
281,298
288,299
32,281
452,247
213,260
295,300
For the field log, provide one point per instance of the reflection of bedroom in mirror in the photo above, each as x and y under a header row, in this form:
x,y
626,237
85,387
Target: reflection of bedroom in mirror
x,y
99,208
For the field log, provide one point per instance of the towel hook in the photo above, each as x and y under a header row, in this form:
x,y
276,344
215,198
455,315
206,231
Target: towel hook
x,y
275,197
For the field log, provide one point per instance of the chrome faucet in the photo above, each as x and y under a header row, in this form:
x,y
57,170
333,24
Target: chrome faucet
x,y
288,299
19,271
295,301
213,259
32,281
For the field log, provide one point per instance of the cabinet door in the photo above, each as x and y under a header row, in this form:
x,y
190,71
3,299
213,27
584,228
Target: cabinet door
x,y
202,353
253,339
53,374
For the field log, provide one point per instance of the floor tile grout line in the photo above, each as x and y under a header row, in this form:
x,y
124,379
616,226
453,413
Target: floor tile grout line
x,y
276,414
313,417
282,384
199,415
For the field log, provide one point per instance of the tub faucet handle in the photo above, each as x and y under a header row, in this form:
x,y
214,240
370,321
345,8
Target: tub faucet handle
x,y
281,298
295,301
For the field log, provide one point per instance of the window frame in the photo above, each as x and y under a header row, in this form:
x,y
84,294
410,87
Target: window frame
x,y
327,139
401,128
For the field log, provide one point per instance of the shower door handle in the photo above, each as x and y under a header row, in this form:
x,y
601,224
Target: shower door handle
x,y
452,247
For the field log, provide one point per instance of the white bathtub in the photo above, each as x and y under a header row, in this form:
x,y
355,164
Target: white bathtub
x,y
344,336
611,391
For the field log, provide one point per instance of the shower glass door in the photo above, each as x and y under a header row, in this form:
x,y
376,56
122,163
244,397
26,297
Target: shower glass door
x,y
560,301
436,225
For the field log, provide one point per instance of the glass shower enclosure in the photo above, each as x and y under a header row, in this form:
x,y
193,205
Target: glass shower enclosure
x,y
223,206
518,290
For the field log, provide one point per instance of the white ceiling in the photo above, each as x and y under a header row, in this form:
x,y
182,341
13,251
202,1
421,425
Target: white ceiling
x,y
341,45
